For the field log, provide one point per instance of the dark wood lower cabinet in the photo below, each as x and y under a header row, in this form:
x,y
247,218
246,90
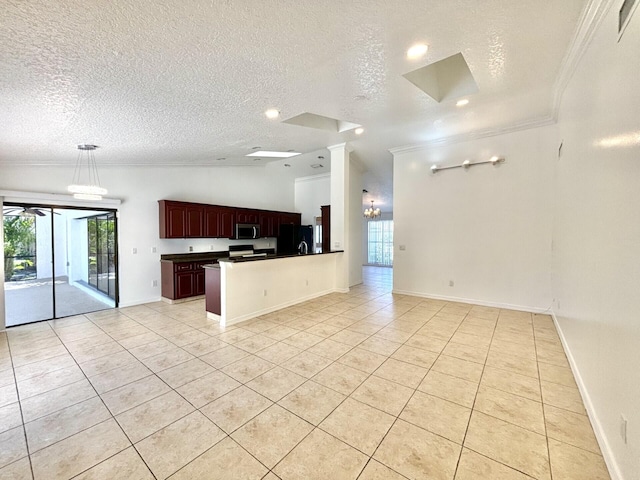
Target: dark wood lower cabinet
x,y
182,279
184,285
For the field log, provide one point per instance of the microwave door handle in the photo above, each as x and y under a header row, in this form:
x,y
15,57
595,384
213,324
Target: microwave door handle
x,y
255,233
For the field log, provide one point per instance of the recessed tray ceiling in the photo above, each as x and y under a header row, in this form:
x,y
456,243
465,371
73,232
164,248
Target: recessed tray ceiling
x,y
446,79
313,120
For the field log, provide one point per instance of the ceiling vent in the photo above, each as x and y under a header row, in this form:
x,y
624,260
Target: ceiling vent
x,y
447,79
626,12
313,120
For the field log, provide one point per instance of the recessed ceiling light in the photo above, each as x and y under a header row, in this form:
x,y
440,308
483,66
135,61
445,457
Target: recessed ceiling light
x,y
417,51
287,165
320,157
266,153
257,159
317,165
462,103
272,113
256,148
221,158
359,131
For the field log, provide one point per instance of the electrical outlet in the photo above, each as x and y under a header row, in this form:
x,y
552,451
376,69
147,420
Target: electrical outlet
x,y
402,247
211,247
451,283
264,293
134,250
623,428
190,248
153,250
154,283
336,244
306,282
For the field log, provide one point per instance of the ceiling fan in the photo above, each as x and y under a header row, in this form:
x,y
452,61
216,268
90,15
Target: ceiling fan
x,y
24,211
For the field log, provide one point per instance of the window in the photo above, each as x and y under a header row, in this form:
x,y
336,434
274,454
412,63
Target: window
x,y
380,242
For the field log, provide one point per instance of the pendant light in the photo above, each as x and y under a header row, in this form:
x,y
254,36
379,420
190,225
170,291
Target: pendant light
x,y
372,212
86,183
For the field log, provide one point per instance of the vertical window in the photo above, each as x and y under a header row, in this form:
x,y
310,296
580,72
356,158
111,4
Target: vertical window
x,y
380,242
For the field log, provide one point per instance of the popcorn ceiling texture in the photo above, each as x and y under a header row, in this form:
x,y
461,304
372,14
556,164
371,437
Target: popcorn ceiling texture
x,y
185,83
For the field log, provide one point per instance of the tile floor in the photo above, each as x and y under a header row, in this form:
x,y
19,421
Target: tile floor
x,y
365,385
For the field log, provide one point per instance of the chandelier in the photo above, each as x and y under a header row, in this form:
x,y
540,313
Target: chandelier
x,y
86,183
372,212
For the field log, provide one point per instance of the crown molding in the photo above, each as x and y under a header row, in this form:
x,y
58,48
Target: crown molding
x,y
592,17
476,135
311,178
590,20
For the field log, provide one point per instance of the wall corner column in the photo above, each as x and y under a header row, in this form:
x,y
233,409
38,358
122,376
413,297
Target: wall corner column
x,y
340,203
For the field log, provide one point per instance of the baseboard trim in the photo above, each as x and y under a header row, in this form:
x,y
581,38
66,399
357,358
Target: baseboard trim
x,y
472,301
264,311
605,448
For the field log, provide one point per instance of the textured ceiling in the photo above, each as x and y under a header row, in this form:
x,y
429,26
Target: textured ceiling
x,y
188,82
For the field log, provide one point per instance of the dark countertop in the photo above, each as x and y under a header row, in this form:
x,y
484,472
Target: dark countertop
x,y
274,257
193,257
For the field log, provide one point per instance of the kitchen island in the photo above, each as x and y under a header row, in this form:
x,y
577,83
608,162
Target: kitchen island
x,y
243,288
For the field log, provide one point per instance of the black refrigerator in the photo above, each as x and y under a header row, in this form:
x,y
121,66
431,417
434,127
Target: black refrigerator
x,y
290,237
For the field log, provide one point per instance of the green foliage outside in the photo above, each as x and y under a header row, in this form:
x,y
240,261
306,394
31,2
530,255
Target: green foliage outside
x,y
19,240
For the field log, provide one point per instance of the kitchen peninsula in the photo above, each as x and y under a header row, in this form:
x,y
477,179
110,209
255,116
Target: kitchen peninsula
x,y
243,288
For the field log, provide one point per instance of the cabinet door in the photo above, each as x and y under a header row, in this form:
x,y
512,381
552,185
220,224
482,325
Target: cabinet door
x,y
184,284
195,220
290,218
175,215
212,222
268,221
199,282
227,223
246,216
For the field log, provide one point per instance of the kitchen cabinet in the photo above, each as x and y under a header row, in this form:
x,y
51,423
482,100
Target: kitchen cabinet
x,y
194,215
326,228
182,279
289,218
195,220
172,219
246,216
218,222
227,222
269,224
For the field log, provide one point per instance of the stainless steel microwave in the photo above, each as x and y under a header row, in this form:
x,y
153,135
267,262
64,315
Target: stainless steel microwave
x,y
246,231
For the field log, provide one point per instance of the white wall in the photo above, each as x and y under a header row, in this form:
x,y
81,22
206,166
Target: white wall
x,y
310,194
596,264
140,188
488,228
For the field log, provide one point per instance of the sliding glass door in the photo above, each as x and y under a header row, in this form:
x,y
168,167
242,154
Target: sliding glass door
x,y
58,262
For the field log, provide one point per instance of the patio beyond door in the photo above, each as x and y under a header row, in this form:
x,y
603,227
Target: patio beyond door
x,y
58,262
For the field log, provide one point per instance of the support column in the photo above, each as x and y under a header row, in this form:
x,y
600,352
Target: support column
x,y
340,202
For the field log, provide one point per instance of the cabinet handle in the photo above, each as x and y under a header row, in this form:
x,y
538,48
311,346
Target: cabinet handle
x,y
255,234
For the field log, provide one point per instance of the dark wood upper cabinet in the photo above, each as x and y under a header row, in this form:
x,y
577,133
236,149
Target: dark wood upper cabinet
x,y
227,222
195,220
172,219
211,221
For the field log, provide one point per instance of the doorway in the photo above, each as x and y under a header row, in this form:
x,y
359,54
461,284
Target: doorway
x,y
59,261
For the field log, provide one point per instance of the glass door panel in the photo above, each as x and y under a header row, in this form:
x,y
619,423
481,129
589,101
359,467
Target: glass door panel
x,y
82,274
28,263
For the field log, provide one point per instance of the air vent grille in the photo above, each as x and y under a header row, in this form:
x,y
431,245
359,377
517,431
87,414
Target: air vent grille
x,y
626,10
